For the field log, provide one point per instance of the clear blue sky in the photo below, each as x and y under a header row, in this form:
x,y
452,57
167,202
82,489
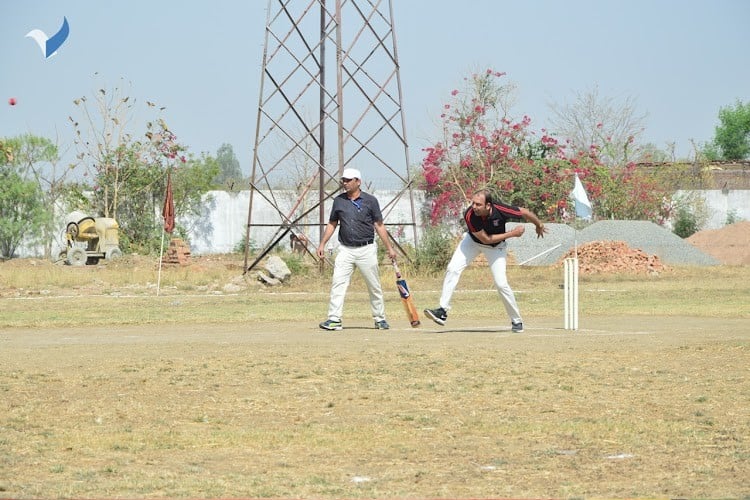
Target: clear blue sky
x,y
681,60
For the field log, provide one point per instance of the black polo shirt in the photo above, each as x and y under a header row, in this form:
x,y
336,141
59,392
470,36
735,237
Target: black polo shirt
x,y
494,223
356,218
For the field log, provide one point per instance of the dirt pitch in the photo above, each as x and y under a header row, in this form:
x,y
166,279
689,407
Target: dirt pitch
x,y
625,407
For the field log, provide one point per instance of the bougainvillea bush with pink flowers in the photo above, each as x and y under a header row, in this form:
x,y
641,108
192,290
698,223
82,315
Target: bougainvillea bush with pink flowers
x,y
482,147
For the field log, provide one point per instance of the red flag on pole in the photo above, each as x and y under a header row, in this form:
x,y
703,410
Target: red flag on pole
x,y
168,211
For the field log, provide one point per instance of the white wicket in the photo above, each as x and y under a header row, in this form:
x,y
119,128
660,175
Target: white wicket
x,y
571,294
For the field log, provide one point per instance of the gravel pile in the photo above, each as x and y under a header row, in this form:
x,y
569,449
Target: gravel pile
x,y
640,235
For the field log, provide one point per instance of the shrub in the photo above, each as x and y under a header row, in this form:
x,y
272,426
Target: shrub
x,y
732,218
296,263
686,223
690,216
434,250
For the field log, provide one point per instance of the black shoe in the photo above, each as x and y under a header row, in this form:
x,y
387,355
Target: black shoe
x,y
438,315
516,327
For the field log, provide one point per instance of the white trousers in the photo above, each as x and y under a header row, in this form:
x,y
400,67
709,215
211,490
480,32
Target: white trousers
x,y
366,260
465,253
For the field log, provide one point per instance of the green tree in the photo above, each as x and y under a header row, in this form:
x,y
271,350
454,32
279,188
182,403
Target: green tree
x,y
230,173
22,210
36,159
191,179
128,176
30,152
732,135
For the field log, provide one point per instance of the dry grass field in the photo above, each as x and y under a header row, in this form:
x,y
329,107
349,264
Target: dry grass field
x,y
208,390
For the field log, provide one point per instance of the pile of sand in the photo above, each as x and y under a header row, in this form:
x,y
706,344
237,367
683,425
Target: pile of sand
x,y
729,245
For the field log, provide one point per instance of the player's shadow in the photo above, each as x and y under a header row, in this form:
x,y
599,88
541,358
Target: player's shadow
x,y
470,330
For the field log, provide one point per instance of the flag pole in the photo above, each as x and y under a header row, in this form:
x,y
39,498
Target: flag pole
x,y
583,210
161,254
167,213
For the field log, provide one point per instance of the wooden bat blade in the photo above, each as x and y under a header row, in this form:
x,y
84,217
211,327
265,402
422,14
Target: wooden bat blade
x,y
411,311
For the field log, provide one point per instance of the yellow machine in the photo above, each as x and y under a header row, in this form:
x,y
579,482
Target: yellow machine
x,y
90,239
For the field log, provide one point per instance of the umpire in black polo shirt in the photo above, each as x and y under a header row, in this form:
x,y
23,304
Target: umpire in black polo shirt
x,y
357,215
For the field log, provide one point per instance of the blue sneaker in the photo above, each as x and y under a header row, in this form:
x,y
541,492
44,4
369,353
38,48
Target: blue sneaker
x,y
382,325
331,324
516,327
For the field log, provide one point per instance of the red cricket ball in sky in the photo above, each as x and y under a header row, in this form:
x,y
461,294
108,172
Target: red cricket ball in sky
x,y
12,101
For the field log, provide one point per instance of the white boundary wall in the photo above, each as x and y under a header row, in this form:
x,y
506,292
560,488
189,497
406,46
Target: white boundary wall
x,y
720,203
223,223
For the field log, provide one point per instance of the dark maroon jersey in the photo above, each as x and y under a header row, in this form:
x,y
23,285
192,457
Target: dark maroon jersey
x,y
494,223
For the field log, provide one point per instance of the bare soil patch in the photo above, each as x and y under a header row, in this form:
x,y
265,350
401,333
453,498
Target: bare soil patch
x,y
625,407
204,392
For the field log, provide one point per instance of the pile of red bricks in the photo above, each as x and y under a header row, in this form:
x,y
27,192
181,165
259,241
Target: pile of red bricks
x,y
614,257
178,252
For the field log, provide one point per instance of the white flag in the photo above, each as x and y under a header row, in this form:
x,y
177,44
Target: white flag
x,y
583,205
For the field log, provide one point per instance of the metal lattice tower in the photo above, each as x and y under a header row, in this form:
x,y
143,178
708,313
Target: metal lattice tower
x,y
330,98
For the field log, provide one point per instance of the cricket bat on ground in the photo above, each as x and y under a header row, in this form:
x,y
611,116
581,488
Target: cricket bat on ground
x,y
411,310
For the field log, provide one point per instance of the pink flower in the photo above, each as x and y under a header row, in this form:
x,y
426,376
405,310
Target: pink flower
x,y
432,175
454,92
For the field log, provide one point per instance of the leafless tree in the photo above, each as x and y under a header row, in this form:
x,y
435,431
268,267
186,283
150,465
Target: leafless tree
x,y
101,136
608,124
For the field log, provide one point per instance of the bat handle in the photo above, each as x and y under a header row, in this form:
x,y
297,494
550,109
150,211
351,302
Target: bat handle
x,y
395,268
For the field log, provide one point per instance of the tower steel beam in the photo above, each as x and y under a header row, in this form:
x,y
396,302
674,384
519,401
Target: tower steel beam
x,y
299,110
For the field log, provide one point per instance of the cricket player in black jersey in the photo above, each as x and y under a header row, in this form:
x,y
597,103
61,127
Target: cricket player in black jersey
x,y
357,216
485,221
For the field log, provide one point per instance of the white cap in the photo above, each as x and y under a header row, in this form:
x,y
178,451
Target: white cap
x,y
351,173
